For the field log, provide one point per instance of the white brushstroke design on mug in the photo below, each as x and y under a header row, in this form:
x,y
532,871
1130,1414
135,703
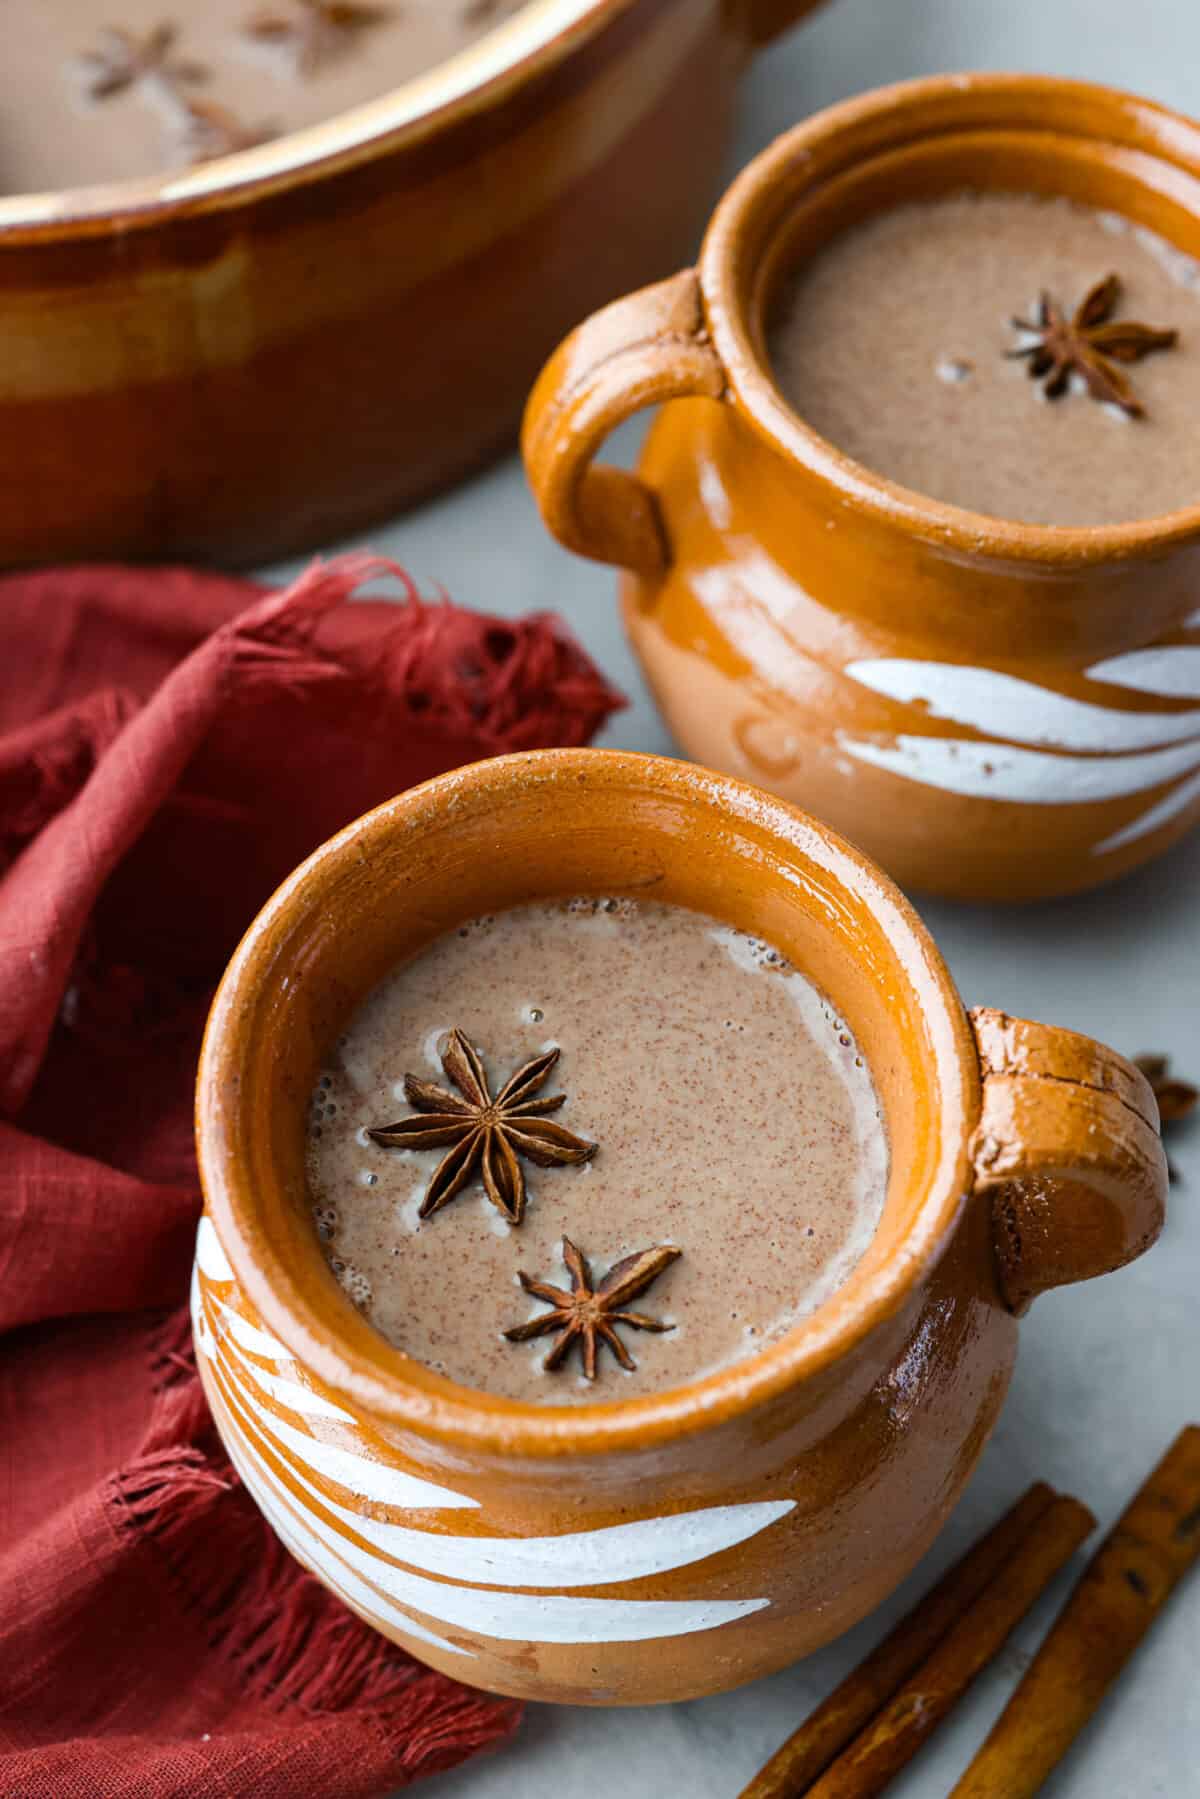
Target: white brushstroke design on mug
x,y
606,1556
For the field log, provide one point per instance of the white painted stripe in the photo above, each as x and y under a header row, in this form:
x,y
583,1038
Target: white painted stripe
x,y
592,1558
1170,669
200,1326
1177,801
534,1617
211,1258
1027,777
250,1336
293,1532
579,1559
290,1393
506,1616
1002,706
361,1477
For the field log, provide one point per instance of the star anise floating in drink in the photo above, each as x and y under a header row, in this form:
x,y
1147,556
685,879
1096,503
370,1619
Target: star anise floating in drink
x,y
313,32
1089,344
124,59
484,1134
589,1314
1176,1099
210,130
151,64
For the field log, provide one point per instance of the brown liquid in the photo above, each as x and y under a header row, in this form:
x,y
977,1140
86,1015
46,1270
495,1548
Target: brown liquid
x,y
891,343
53,135
734,1116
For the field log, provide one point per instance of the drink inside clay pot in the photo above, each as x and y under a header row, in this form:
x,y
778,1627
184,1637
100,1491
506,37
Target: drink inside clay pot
x,y
915,536
93,93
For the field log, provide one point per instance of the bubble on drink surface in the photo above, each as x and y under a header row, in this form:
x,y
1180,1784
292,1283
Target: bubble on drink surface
x,y
954,370
325,1217
353,1283
532,1015
601,906
367,1177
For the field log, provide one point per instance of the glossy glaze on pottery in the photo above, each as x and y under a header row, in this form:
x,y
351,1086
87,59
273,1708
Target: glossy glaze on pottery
x,y
686,1541
733,1117
994,710
277,349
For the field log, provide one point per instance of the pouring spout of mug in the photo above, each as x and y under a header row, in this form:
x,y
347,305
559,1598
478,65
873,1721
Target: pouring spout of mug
x,y
1068,1151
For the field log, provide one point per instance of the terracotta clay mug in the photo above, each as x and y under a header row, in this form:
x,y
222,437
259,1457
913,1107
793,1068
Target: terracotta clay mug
x,y
994,710
677,1544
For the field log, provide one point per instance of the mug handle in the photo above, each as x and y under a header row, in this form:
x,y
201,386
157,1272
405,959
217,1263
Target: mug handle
x,y
1068,1150
650,346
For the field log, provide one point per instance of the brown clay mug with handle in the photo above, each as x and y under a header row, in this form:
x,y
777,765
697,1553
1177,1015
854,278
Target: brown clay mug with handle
x,y
994,710
684,1542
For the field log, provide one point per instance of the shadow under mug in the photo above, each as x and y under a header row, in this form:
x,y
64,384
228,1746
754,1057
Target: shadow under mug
x,y
993,710
677,1544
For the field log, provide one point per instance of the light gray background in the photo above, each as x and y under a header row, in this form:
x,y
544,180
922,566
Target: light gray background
x,y
1108,1371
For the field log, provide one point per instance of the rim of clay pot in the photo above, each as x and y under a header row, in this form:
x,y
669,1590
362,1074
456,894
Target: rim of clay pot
x,y
540,34
886,121
334,1343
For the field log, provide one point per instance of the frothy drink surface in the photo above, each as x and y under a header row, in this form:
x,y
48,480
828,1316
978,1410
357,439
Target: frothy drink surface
x,y
83,102
890,341
735,1120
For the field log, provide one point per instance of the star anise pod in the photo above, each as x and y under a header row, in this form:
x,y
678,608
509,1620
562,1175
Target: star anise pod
x,y
122,59
487,1134
314,32
1090,344
1176,1100
588,1314
210,130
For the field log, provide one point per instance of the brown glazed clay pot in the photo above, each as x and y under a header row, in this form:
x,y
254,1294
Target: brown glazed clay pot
x,y
993,710
268,352
681,1543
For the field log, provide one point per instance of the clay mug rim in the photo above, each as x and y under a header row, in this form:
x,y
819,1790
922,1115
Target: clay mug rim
x,y
694,334
994,1118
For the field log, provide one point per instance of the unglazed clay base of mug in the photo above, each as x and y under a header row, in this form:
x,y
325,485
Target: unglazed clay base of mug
x,y
87,96
894,342
735,1120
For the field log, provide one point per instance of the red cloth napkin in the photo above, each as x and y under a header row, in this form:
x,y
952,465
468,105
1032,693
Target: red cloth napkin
x,y
171,744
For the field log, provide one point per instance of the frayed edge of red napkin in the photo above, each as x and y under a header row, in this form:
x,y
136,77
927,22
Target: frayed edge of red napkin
x,y
267,1619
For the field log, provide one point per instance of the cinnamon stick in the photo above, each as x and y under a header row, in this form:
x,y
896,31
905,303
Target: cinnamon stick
x,y
839,1718
1122,1591
896,1733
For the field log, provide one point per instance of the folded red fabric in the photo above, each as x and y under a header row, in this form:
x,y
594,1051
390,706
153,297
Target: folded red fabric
x,y
171,744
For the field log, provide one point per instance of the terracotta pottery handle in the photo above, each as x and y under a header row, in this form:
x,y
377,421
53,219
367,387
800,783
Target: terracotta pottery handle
x,y
651,346
1068,1148
765,19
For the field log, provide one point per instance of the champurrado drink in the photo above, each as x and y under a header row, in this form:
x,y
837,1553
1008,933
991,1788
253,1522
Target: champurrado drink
x,y
736,1129
95,92
893,342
